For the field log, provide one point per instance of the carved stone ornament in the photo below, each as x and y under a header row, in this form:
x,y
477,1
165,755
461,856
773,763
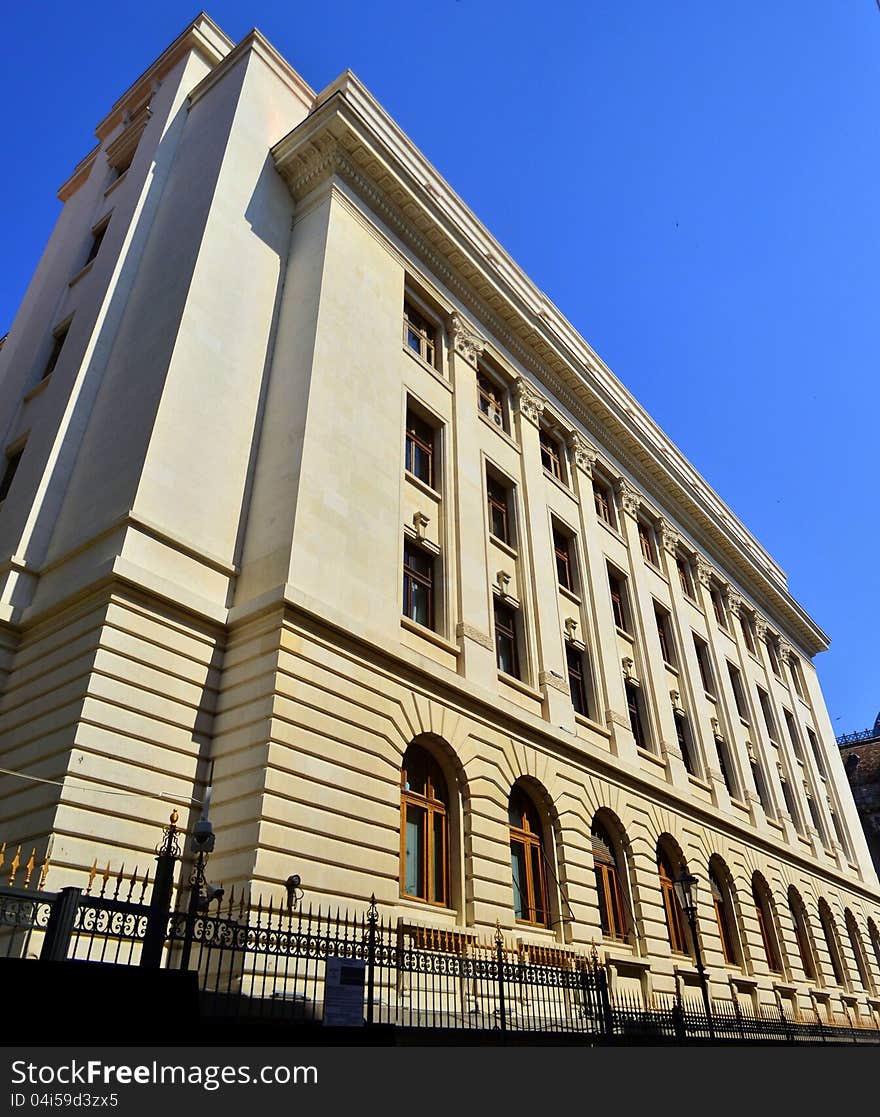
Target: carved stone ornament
x,y
466,340
716,729
529,402
675,698
549,678
582,452
704,571
669,537
750,750
502,579
734,603
630,497
786,651
628,669
571,627
471,632
760,628
420,522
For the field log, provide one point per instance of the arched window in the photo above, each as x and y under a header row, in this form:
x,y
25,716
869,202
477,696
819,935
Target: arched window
x,y
424,828
858,949
874,936
830,933
679,940
527,860
608,867
802,934
724,913
766,923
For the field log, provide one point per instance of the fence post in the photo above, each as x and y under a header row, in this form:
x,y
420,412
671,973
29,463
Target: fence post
x,y
60,926
372,920
160,897
605,1001
499,961
678,1019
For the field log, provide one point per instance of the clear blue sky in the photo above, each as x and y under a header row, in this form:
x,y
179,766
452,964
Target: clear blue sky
x,y
693,184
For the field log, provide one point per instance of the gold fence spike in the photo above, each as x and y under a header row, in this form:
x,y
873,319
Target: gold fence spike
x,y
16,860
43,871
93,872
2,854
32,860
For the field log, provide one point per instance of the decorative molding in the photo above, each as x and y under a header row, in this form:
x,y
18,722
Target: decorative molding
x,y
502,581
618,719
734,603
630,497
716,729
705,571
628,672
468,343
529,402
471,632
420,522
583,452
786,651
668,748
669,537
571,627
548,678
750,752
760,628
675,699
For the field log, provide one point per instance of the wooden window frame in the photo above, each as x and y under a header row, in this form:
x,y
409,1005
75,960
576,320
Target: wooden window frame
x,y
507,629
492,399
426,581
766,927
619,600
739,694
686,576
417,326
647,542
609,890
498,496
434,804
718,608
552,454
685,743
664,635
565,564
679,941
725,917
802,936
603,501
420,435
529,835
704,665
577,683
829,931
636,715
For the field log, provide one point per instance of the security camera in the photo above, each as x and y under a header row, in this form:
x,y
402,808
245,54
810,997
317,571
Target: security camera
x,y
212,892
203,836
294,892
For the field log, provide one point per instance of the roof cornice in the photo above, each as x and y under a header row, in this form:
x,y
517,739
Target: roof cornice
x,y
351,135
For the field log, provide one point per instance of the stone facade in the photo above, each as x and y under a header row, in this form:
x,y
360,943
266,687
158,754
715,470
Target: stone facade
x,y
202,550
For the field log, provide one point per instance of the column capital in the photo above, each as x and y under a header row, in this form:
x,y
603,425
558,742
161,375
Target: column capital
x,y
582,452
705,571
529,401
734,602
760,628
630,497
465,339
669,536
786,651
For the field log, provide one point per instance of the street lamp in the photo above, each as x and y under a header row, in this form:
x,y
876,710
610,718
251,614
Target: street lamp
x,y
686,894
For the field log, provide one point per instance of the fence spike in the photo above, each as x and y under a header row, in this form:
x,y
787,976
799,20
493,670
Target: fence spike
x,y
32,860
14,866
43,870
105,877
93,872
145,884
2,854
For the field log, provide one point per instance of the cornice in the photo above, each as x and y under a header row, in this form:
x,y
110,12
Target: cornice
x,y
351,136
256,43
80,173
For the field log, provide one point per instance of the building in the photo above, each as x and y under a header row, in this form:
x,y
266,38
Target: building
x,y
306,481
860,752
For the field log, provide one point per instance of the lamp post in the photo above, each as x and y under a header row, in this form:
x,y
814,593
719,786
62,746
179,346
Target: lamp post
x,y
686,893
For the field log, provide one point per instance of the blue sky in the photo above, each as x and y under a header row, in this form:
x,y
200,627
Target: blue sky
x,y
694,185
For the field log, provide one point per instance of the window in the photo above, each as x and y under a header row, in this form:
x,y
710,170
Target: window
x,y
97,237
424,843
826,919
636,714
745,623
420,441
773,655
874,936
418,584
12,462
725,917
685,743
840,832
685,576
858,949
816,819
506,639
671,907
802,933
760,785
793,734
612,908
552,455
578,680
767,711
766,925
492,399
604,501
817,752
527,861
647,542
563,548
420,334
498,497
796,676
718,606
664,635
58,339
739,694
619,603
702,650
790,804
725,765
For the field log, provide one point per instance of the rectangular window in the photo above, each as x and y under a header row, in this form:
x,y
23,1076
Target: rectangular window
x,y
791,806
705,666
506,639
724,765
563,550
604,501
739,695
647,542
420,439
418,584
58,339
816,819
420,334
577,681
498,497
97,237
12,462
817,752
492,399
718,606
796,676
745,623
636,716
773,656
619,603
793,735
760,785
664,634
685,743
552,455
685,576
767,711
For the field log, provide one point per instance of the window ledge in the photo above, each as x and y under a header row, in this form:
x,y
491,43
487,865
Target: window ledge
x,y
423,364
426,909
422,486
498,430
82,271
622,632
570,594
654,567
116,182
670,667
658,760
713,698
430,635
588,723
506,547
559,483
745,722
37,389
697,781
518,684
755,659
611,530
727,632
